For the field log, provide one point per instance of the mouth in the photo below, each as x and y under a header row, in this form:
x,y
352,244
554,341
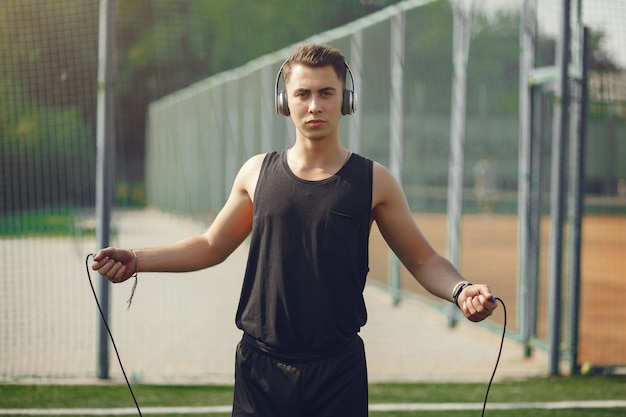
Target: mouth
x,y
315,122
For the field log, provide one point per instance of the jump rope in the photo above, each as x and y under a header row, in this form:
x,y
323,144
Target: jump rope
x,y
119,360
106,324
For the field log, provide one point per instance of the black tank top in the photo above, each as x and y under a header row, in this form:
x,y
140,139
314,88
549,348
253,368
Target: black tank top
x,y
303,287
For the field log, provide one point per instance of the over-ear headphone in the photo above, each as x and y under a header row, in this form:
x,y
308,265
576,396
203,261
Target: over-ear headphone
x,y
347,107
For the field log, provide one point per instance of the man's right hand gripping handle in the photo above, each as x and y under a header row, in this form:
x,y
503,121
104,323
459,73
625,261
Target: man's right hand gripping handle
x,y
117,265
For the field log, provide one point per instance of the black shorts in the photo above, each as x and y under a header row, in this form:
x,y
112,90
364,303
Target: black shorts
x,y
270,386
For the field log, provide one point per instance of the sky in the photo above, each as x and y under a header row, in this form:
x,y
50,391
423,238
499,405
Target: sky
x,y
608,15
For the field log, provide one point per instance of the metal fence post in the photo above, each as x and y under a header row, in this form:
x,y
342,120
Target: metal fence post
x,y
396,127
462,34
104,165
558,191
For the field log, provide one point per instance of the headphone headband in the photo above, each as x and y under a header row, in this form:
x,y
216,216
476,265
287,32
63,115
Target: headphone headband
x,y
348,105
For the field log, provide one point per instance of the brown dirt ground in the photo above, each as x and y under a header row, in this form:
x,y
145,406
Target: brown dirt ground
x,y
489,254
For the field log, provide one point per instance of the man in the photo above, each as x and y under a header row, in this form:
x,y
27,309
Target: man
x,y
309,209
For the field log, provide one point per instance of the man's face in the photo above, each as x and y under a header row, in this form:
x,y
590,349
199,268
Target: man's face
x,y
315,96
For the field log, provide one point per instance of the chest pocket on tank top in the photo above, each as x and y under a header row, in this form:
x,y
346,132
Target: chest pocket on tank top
x,y
340,234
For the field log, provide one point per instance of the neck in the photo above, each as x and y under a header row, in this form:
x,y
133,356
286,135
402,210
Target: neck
x,y
316,163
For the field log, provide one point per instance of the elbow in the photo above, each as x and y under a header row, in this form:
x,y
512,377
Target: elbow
x,y
219,259
216,254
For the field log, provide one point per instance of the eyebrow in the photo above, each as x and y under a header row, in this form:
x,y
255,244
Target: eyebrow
x,y
321,90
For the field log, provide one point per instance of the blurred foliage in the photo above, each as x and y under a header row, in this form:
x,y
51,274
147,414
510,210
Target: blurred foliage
x,y
166,44
46,153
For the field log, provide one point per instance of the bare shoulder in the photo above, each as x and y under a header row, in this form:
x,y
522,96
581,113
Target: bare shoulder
x,y
252,165
248,174
385,187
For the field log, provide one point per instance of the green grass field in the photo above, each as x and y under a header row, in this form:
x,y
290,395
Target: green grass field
x,y
149,396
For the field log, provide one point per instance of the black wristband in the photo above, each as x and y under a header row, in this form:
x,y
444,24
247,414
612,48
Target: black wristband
x,y
458,290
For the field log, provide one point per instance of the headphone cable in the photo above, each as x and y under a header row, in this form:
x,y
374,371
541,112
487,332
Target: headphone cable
x,y
93,290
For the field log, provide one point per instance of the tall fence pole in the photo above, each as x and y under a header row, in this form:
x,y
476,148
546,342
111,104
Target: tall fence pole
x,y
576,200
396,127
528,268
104,166
462,34
558,191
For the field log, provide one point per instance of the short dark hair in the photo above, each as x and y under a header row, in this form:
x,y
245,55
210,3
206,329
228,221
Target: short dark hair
x,y
316,56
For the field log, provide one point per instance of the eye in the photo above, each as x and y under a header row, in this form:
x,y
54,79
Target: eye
x,y
327,92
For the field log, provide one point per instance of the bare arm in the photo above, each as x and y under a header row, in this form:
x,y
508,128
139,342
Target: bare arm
x,y
436,274
229,229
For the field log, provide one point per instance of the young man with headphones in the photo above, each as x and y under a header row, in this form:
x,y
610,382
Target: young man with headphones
x,y
309,210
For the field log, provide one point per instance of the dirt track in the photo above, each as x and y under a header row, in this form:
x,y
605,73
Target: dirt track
x,y
489,254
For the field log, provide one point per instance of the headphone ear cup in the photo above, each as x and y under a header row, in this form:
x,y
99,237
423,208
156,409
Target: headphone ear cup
x,y
282,107
349,102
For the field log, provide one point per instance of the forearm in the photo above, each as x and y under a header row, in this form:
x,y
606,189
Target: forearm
x,y
438,276
191,254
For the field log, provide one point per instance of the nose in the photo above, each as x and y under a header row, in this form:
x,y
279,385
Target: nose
x,y
314,105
